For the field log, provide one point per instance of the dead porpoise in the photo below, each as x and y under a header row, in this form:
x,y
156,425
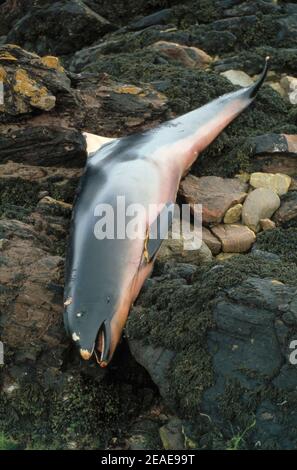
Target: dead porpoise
x,y
104,276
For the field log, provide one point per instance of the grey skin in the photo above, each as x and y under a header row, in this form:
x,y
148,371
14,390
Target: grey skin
x,y
104,277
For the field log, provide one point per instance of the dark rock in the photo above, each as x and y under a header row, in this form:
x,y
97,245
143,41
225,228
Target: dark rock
x,y
59,28
252,7
286,215
47,146
287,378
264,254
161,360
246,340
144,435
160,17
286,32
213,42
172,436
275,153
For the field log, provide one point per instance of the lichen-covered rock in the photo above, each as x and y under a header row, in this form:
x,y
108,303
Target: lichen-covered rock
x,y
29,81
261,203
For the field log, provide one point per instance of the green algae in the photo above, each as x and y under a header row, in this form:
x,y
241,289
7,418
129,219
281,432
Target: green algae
x,y
177,317
280,241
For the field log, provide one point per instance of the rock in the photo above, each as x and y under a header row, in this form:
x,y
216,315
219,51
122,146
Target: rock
x,y
48,146
34,312
144,435
277,182
180,251
293,186
275,153
247,344
286,215
214,193
59,28
183,55
267,224
30,82
211,241
233,214
85,102
171,435
259,204
262,254
238,77
161,358
278,88
234,238
159,17
51,205
289,84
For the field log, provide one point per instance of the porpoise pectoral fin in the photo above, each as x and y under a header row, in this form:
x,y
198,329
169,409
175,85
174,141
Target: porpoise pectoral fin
x,y
95,142
158,231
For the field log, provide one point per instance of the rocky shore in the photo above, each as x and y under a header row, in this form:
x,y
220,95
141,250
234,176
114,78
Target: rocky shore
x,y
221,376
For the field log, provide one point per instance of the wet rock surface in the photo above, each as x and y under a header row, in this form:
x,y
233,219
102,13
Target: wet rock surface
x,y
205,357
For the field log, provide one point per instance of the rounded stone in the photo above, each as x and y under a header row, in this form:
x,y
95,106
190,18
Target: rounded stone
x,y
259,204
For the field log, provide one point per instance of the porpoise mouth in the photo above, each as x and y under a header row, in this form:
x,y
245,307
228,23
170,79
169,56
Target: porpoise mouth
x,y
102,348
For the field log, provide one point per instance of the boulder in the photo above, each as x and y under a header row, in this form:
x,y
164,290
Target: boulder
x,y
235,238
215,194
179,250
286,215
186,56
233,214
211,241
277,182
58,28
47,146
30,82
238,77
243,348
172,436
274,153
259,204
267,224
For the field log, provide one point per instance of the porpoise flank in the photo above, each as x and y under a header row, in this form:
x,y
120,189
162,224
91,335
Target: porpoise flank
x,y
104,276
